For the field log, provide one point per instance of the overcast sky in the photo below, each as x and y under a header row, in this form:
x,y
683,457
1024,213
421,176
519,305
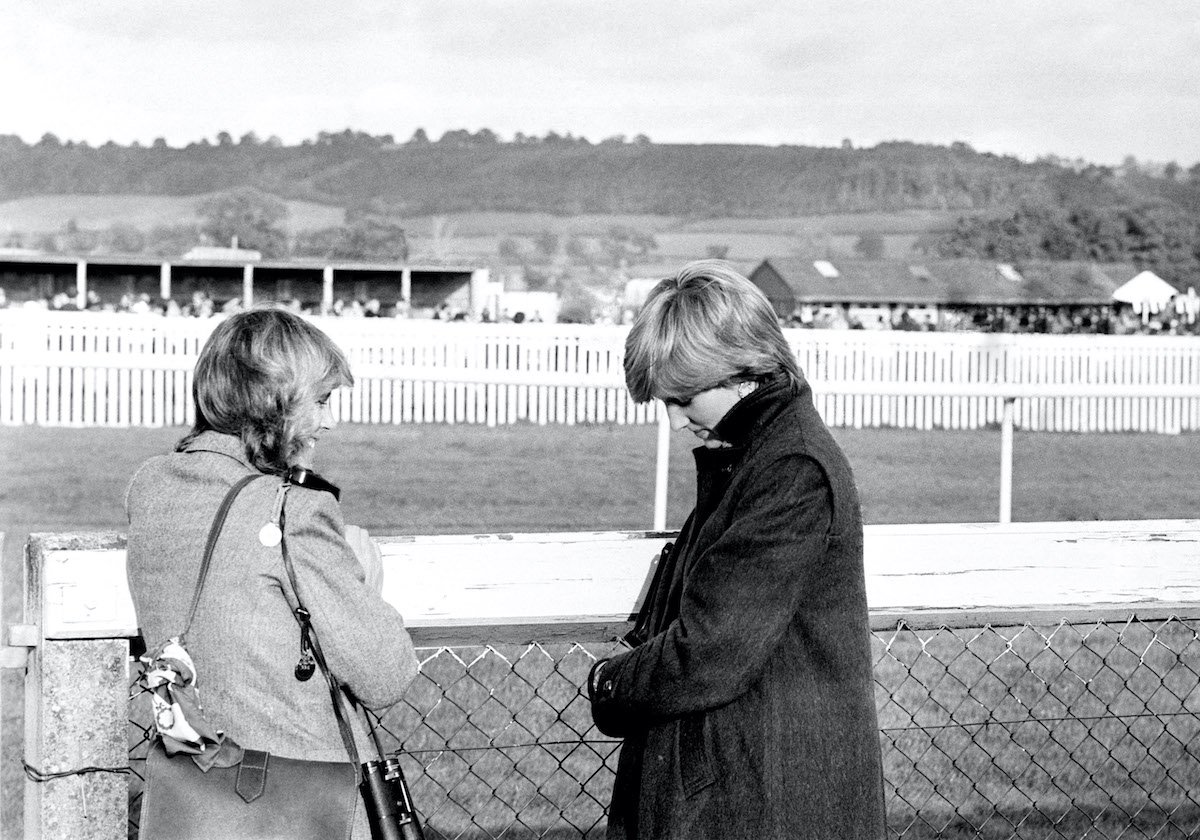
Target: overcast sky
x,y
1097,79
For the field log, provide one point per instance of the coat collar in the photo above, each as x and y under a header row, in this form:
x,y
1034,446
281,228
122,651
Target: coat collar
x,y
222,444
740,427
755,410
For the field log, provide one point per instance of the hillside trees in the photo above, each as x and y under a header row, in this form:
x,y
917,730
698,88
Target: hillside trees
x,y
122,238
247,215
622,244
870,246
1163,238
547,243
367,235
563,173
172,241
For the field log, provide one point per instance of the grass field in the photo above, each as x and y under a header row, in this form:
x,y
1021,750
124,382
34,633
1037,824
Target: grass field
x,y
51,212
474,236
46,213
465,479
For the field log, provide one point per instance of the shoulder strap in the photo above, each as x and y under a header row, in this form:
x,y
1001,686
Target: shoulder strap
x,y
213,533
336,691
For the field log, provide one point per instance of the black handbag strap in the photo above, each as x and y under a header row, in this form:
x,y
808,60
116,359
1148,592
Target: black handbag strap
x,y
337,691
213,533
641,625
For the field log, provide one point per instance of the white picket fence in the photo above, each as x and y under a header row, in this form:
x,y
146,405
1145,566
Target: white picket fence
x,y
94,369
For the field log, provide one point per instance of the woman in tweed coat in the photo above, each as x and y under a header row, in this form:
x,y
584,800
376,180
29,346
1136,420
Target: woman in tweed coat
x,y
747,704
262,388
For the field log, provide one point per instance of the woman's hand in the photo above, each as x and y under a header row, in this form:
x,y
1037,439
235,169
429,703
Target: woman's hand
x,y
368,555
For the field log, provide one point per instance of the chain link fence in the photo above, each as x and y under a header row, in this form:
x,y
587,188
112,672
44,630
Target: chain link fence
x,y
1067,730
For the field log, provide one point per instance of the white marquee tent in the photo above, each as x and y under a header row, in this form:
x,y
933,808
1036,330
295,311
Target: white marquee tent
x,y
1146,292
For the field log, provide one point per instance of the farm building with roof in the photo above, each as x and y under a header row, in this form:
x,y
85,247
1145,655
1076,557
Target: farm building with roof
x,y
879,287
225,274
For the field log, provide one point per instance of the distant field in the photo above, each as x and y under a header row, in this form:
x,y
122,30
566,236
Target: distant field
x,y
910,222
845,224
51,212
477,236
529,224
478,233
754,247
48,213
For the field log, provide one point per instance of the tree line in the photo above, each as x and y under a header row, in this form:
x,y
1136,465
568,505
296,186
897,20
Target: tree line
x,y
1008,209
1159,237
464,171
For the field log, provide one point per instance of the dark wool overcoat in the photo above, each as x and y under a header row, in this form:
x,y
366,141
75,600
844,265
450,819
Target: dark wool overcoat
x,y
749,713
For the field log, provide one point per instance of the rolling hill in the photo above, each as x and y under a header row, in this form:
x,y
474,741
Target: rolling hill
x,y
753,200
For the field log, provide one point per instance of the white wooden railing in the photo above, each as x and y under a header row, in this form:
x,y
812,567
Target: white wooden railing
x,y
98,369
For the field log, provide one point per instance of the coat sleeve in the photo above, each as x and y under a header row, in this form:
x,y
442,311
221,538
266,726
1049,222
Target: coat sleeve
x,y
739,596
362,636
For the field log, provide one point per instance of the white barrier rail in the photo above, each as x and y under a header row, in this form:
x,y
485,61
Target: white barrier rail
x,y
96,369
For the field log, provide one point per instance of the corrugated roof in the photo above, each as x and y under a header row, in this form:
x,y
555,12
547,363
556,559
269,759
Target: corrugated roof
x,y
951,281
301,262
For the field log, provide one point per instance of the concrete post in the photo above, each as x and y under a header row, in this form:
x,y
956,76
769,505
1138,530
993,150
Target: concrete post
x,y
164,281
12,671
76,713
327,289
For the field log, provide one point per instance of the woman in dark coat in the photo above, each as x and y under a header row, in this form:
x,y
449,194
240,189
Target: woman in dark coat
x,y
748,708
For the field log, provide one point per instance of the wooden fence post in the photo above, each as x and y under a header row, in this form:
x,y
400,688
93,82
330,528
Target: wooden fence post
x,y
1006,460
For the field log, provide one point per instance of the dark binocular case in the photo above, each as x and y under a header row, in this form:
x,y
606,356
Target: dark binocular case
x,y
388,801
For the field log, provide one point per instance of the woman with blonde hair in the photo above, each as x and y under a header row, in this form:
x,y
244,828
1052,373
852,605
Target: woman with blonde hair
x,y
747,700
262,388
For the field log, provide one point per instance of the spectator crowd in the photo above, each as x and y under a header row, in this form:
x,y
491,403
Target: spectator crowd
x,y
202,305
1114,319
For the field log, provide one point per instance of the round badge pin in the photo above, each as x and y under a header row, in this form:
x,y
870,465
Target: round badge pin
x,y
270,535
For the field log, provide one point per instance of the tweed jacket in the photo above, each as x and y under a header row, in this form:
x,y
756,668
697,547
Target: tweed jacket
x,y
245,641
749,713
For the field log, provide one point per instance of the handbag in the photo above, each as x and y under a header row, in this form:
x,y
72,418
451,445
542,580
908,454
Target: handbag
x,y
262,796
222,790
